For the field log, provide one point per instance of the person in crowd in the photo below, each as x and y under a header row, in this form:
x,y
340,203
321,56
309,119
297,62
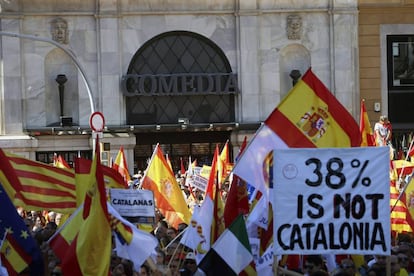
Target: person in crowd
x,y
145,270
171,233
404,253
124,268
174,267
160,261
382,131
379,260
313,264
58,219
190,266
348,267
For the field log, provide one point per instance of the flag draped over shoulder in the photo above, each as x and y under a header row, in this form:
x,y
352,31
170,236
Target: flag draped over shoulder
x,y
367,135
121,165
19,250
168,196
92,242
37,186
309,116
231,253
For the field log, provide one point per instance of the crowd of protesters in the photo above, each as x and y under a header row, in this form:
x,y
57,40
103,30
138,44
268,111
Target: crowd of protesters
x,y
173,258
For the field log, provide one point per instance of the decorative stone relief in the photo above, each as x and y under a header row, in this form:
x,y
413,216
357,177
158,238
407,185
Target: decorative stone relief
x,y
59,30
294,27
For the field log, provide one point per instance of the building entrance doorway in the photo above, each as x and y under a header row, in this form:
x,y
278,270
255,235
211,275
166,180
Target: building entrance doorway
x,y
199,146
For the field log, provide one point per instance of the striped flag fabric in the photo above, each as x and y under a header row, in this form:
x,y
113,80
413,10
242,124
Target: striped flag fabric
x,y
19,250
169,199
223,164
37,186
218,226
85,252
367,135
59,161
182,168
112,178
120,165
237,201
167,158
130,242
309,116
201,230
231,253
402,218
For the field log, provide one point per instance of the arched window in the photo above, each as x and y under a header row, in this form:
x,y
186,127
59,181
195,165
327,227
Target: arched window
x,y
176,75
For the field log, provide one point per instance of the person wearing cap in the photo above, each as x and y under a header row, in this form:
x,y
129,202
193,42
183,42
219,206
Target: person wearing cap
x,y
382,131
190,266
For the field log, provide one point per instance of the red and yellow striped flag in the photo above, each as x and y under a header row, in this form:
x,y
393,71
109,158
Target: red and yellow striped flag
x,y
85,253
223,164
367,135
112,178
37,186
121,165
169,199
402,207
59,161
308,117
217,226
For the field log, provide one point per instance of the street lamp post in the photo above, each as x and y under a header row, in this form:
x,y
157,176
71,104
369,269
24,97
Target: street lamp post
x,y
67,51
74,59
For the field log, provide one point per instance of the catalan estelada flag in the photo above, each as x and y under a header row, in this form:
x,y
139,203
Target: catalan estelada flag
x,y
367,135
86,237
37,186
19,250
169,199
121,165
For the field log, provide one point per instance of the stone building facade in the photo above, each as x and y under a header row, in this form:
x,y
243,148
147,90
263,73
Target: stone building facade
x,y
386,37
186,74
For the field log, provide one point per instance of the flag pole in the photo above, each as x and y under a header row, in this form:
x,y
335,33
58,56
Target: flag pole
x,y
149,162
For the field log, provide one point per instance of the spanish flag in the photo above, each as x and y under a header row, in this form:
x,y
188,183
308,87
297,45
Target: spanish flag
x,y
86,237
169,199
112,178
367,135
308,117
59,161
121,165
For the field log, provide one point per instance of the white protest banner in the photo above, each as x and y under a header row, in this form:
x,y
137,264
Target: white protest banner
x,y
133,203
333,200
200,182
